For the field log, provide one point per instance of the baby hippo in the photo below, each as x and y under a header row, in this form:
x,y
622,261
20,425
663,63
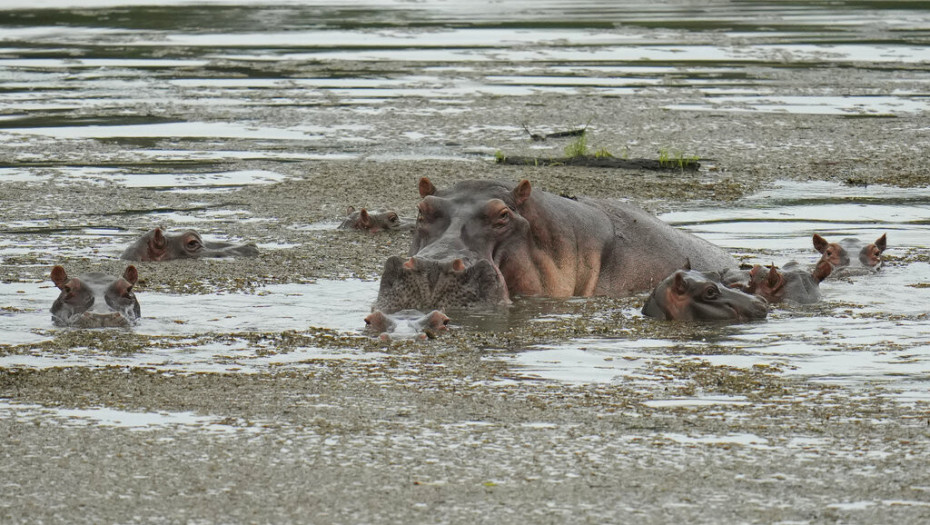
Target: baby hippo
x,y
689,295
95,300
374,221
869,256
791,283
406,324
157,245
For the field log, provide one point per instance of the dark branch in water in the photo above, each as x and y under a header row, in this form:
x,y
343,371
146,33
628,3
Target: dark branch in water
x,y
603,162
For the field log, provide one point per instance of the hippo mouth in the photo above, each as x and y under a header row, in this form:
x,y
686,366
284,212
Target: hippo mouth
x,y
97,320
426,284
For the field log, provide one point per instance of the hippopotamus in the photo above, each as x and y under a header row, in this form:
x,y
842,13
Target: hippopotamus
x,y
838,253
95,300
792,283
406,323
540,244
374,221
690,295
426,284
156,245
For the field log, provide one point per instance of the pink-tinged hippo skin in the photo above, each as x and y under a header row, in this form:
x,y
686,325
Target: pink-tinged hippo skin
x,y
374,221
406,324
429,285
791,283
689,295
95,300
840,254
541,244
156,245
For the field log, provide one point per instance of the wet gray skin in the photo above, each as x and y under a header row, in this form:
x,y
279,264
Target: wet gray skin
x,y
689,295
406,324
429,285
374,221
95,300
541,244
838,253
156,245
790,283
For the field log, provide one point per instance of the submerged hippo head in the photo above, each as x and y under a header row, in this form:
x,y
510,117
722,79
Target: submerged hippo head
x,y
406,324
839,253
424,284
157,245
374,221
791,283
95,300
688,295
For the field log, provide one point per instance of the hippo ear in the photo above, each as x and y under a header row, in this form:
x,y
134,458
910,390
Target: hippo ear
x,y
822,270
426,188
687,266
679,286
522,192
772,278
131,274
350,210
364,220
881,243
158,238
59,276
820,244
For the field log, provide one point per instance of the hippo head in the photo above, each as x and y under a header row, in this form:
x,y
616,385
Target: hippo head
x,y
871,254
790,283
156,245
373,221
406,324
427,284
472,224
95,300
693,296
832,252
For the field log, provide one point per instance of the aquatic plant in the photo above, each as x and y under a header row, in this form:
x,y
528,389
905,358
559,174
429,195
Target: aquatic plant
x,y
578,147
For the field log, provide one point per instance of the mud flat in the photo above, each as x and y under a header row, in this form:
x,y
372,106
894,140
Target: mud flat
x,y
248,392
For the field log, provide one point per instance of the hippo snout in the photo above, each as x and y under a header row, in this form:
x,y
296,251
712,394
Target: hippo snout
x,y
101,320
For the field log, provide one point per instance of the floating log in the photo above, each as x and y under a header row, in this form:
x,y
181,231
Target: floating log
x,y
592,161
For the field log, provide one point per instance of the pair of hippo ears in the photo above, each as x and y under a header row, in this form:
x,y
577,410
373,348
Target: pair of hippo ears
x,y
60,277
520,194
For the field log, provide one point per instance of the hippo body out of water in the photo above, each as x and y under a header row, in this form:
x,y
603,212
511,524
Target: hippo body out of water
x,y
689,295
374,221
156,245
791,283
404,324
95,300
851,254
541,244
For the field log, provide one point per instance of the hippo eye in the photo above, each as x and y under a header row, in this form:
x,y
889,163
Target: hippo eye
x,y
711,293
193,244
502,218
392,218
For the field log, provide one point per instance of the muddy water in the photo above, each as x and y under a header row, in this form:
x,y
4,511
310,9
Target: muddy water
x,y
262,121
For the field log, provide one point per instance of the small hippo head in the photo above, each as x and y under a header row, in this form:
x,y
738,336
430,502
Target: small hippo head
x,y
688,295
95,300
406,324
156,245
790,283
424,284
838,254
374,221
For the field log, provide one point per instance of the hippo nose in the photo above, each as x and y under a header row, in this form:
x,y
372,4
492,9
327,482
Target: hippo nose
x,y
102,320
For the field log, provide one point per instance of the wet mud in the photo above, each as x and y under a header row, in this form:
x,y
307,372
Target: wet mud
x,y
249,391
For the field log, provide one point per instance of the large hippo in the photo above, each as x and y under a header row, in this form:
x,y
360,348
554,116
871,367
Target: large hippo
x,y
374,221
156,245
406,324
540,244
790,283
868,255
95,300
689,295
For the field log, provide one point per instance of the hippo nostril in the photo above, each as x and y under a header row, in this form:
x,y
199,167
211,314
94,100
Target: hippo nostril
x,y
458,265
411,264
